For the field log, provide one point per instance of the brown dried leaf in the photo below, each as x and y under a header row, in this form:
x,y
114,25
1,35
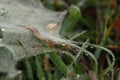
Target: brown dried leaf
x,y
113,4
113,47
116,24
93,75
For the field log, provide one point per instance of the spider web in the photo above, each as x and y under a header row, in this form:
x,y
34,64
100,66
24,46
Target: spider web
x,y
19,40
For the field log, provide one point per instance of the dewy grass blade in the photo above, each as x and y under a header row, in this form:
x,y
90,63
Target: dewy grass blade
x,y
89,54
40,73
69,54
76,36
78,56
110,53
92,56
80,52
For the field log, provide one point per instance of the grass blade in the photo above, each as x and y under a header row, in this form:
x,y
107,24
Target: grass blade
x,y
29,70
40,73
58,62
110,53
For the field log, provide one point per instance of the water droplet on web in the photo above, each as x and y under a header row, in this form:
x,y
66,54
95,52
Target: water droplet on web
x,y
63,44
2,29
1,39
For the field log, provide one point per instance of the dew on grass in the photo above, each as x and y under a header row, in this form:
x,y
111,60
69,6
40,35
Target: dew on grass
x,y
86,54
77,76
91,46
86,46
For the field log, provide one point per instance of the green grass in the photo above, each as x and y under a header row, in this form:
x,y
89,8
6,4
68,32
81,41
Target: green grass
x,y
88,53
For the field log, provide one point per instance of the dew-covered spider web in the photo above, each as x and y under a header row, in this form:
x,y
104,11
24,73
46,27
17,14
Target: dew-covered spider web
x,y
19,20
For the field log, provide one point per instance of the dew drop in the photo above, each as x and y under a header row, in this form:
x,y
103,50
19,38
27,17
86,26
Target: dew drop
x,y
86,54
63,52
86,46
78,76
63,44
2,29
91,46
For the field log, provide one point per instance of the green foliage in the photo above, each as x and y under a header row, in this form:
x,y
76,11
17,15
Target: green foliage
x,y
41,44
71,21
40,73
57,61
29,70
